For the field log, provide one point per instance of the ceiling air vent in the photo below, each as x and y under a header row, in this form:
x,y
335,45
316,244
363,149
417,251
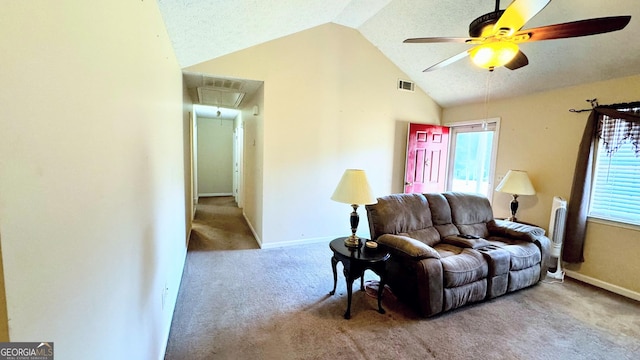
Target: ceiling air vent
x,y
405,85
215,97
222,84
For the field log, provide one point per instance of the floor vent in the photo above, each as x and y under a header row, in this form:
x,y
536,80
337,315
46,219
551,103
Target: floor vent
x,y
405,85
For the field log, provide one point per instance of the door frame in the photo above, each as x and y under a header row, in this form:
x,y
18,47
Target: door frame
x,y
494,149
238,155
238,160
194,160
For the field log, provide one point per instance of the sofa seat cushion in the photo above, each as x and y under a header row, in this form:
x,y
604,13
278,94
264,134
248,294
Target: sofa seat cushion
x,y
446,250
523,253
466,267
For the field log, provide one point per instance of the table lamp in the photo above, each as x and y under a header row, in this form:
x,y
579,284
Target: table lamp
x,y
516,183
354,189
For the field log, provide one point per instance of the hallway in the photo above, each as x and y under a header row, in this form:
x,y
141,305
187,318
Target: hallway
x,y
219,225
219,233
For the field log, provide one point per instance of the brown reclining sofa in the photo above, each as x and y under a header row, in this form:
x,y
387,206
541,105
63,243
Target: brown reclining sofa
x,y
448,250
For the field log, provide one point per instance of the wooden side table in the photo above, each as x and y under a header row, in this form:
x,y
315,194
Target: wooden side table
x,y
355,261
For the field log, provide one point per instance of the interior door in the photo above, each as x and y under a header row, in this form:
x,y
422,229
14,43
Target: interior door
x,y
427,147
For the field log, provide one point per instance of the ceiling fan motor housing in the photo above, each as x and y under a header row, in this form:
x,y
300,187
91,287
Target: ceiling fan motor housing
x,y
477,25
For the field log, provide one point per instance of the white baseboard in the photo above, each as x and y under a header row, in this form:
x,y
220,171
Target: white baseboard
x,y
297,242
253,231
285,243
214,194
604,285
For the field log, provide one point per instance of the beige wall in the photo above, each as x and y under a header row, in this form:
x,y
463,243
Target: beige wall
x,y
92,195
253,162
540,135
330,103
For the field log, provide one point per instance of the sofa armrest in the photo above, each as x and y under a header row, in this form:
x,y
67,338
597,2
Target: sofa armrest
x,y
514,230
408,246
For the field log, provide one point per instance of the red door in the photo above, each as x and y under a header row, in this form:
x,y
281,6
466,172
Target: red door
x,y
426,166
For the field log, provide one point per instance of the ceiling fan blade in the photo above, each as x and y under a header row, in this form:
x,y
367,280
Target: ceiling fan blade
x,y
518,61
576,28
448,61
517,14
425,40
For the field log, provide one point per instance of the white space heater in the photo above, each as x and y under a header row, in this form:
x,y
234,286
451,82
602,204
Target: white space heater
x,y
556,234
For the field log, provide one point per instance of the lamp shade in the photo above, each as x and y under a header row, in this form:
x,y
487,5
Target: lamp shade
x,y
516,182
354,189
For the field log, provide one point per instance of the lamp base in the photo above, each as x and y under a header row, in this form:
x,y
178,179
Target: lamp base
x,y
514,207
352,242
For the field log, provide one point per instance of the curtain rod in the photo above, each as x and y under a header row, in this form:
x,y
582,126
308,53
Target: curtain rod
x,y
594,104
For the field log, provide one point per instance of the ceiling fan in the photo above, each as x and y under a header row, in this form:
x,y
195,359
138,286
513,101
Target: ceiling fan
x,y
498,33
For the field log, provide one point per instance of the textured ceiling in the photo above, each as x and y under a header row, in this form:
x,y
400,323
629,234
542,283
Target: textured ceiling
x,y
203,29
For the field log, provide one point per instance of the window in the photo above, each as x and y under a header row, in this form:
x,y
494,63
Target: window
x,y
472,157
615,193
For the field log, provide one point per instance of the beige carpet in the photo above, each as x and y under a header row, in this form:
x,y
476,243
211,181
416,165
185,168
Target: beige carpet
x,y
219,225
274,304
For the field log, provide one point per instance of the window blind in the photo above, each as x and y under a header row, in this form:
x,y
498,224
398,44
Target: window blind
x,y
616,187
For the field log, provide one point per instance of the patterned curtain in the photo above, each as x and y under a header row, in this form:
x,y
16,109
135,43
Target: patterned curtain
x,y
615,132
615,124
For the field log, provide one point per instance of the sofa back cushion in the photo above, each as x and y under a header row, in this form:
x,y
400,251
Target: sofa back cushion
x,y
470,213
402,214
441,215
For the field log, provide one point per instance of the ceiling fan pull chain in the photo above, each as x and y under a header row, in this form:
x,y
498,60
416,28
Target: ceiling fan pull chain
x,y
486,101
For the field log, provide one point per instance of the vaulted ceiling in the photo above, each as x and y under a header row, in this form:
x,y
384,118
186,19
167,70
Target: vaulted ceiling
x,y
202,30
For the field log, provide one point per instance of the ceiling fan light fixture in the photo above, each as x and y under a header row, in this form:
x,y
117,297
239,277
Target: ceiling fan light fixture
x,y
494,54
487,31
